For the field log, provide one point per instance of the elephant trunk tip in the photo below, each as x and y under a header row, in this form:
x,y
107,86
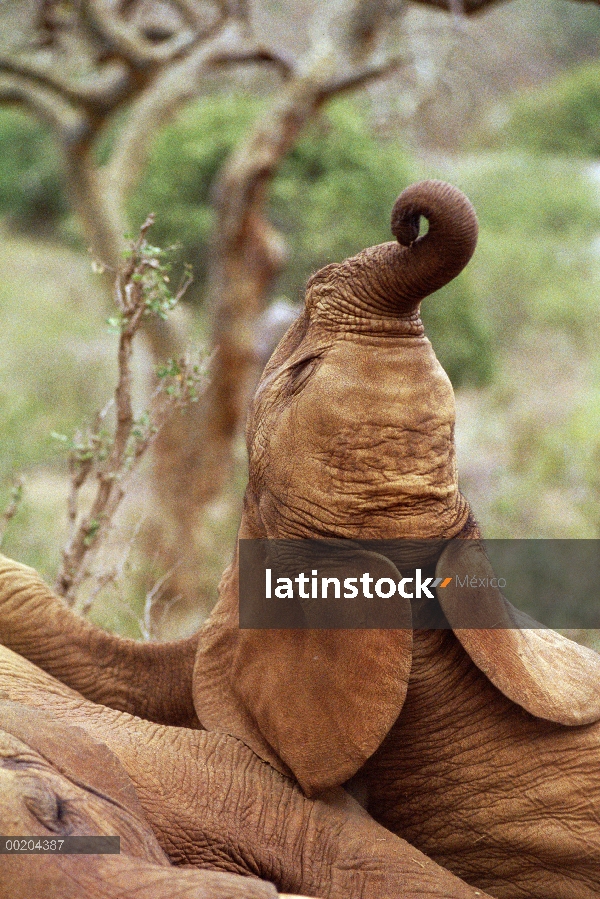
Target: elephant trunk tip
x,y
435,258
405,223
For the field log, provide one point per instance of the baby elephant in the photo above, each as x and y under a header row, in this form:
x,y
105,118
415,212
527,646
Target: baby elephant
x,y
478,746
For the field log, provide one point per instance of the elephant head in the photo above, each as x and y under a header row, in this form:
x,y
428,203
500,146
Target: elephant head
x,y
351,432
351,435
57,781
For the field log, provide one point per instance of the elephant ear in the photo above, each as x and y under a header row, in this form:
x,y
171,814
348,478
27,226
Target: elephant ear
x,y
546,674
316,703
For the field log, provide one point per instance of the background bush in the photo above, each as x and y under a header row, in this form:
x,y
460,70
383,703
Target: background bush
x,y
31,191
562,118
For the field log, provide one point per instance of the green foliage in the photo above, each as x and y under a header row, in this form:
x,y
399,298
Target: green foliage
x,y
457,323
531,467
332,196
561,118
31,189
335,191
185,158
551,198
536,263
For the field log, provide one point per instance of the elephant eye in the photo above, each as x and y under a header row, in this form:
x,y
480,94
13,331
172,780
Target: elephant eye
x,y
300,372
50,809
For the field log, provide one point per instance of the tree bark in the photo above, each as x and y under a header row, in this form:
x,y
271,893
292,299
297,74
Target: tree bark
x,y
198,450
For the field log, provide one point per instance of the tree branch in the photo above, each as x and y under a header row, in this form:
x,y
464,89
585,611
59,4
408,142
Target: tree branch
x,y
105,90
236,9
139,50
196,15
370,72
471,7
178,84
281,62
368,22
70,124
16,496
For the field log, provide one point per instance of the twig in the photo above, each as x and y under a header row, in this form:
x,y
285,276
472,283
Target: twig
x,y
16,495
105,89
102,579
142,288
131,42
146,625
70,124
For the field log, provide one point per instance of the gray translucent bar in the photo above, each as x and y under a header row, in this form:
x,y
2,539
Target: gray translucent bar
x,y
554,583
80,845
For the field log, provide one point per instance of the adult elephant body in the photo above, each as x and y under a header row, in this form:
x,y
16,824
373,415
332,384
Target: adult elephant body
x,y
351,436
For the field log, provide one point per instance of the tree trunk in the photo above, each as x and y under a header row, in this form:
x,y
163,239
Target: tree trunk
x,y
198,450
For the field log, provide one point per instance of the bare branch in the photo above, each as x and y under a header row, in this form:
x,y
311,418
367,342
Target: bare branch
x,y
173,87
141,288
70,124
370,72
236,9
178,84
469,7
16,496
369,20
460,8
256,53
102,579
195,13
136,47
98,204
152,597
104,90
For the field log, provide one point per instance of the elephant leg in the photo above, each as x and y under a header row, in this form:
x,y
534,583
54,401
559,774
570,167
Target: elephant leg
x,y
151,680
509,802
213,803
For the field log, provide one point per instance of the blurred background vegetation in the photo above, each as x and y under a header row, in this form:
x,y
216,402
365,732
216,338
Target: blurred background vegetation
x,y
505,105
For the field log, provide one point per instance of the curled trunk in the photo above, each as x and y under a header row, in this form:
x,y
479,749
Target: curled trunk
x,y
433,260
381,287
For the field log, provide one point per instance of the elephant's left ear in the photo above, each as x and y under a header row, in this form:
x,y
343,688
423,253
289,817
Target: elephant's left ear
x,y
320,701
546,674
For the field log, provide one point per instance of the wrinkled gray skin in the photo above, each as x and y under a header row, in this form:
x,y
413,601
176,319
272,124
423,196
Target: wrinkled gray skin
x,y
480,748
